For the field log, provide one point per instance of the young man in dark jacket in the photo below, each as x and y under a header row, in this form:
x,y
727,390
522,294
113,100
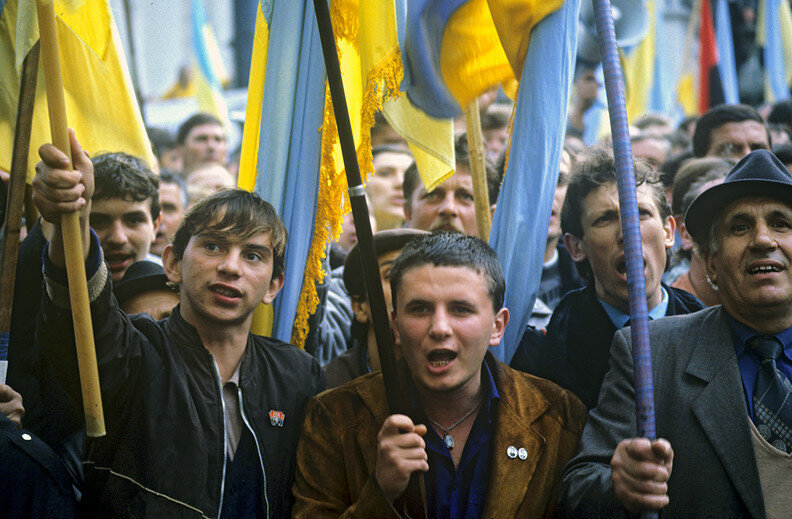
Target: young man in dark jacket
x,y
202,417
575,351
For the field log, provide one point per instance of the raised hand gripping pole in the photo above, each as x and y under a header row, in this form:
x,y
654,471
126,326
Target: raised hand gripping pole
x,y
70,224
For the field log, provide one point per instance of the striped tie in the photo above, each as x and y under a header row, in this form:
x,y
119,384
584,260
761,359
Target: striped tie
x,y
771,397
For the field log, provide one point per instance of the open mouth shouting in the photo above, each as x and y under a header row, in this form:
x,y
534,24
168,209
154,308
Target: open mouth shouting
x,y
119,261
440,360
223,293
621,267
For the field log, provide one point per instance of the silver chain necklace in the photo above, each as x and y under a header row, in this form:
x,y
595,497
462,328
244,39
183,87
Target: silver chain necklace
x,y
447,438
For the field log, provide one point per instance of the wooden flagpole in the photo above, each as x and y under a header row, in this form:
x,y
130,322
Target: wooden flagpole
x,y
70,224
478,170
16,197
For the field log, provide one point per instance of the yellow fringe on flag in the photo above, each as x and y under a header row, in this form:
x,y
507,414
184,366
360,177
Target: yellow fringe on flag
x,y
382,82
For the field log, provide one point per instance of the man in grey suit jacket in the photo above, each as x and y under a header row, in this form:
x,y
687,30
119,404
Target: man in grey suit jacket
x,y
719,456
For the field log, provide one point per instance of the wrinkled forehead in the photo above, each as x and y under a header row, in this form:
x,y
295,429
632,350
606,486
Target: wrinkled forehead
x,y
755,206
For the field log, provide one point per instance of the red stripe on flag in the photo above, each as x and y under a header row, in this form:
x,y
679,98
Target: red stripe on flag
x,y
708,55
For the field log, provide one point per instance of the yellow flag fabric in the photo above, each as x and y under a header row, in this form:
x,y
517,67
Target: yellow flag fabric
x,y
485,43
100,104
250,132
639,71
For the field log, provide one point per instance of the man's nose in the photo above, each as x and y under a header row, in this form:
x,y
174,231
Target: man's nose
x,y
116,234
763,237
230,264
449,205
440,325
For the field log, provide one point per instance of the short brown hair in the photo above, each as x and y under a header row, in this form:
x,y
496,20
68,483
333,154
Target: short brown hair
x,y
238,212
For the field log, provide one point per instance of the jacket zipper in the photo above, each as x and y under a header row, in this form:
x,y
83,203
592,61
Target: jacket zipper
x,y
225,440
258,449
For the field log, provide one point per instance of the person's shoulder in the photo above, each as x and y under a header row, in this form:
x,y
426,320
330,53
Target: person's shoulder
x,y
359,400
692,319
527,393
282,349
685,301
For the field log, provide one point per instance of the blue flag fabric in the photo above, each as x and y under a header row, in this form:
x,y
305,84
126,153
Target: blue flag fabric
x,y
519,228
290,141
727,68
423,79
775,67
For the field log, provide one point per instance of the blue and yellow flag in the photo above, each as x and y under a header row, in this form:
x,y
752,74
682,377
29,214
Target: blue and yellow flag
x,y
100,104
209,69
287,153
281,146
454,50
522,215
774,34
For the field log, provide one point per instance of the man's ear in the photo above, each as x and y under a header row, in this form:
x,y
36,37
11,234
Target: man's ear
x,y
574,246
669,226
709,268
499,326
687,239
276,283
360,309
157,223
395,328
172,265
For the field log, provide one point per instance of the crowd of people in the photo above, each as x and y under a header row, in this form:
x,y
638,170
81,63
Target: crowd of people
x,y
205,419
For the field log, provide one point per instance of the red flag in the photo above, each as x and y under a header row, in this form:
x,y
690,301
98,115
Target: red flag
x,y
708,59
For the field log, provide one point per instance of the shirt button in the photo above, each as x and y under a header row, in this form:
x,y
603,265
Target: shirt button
x,y
511,452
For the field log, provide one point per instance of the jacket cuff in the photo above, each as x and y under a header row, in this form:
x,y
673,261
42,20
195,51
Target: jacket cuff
x,y
56,280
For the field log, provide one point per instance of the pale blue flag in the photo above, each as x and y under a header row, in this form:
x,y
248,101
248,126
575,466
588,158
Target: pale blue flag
x,y
522,216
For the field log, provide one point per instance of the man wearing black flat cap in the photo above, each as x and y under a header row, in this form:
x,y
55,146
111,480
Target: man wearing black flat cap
x,y
721,375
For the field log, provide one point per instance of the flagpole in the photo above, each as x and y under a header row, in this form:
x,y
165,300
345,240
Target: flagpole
x,y
478,170
16,198
133,61
397,399
631,227
70,224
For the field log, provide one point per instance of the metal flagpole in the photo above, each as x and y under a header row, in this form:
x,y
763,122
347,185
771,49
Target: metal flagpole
x,y
631,227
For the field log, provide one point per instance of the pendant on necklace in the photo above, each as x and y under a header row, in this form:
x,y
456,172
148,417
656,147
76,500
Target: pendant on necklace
x,y
449,441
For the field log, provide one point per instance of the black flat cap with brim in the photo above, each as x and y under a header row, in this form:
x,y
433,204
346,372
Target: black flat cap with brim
x,y
141,276
759,173
384,241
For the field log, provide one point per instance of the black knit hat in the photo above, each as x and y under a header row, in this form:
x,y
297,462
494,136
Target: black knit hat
x,y
759,173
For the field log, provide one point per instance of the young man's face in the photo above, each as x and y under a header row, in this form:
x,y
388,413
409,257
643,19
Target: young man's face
x,y
204,143
450,206
385,188
125,230
603,244
444,323
222,277
172,211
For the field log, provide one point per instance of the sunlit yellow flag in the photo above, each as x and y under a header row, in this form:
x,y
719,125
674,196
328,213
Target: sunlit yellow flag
x,y
100,104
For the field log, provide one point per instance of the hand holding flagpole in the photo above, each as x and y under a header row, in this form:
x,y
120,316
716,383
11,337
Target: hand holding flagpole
x,y
70,223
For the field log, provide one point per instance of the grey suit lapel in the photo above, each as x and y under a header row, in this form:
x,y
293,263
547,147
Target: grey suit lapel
x,y
720,407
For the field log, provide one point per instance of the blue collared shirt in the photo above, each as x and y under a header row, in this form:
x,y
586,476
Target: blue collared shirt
x,y
749,363
460,493
619,318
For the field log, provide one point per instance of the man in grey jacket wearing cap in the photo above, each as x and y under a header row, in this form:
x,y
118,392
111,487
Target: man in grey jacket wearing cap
x,y
721,376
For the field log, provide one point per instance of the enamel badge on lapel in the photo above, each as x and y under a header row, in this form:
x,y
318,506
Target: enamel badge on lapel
x,y
276,418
